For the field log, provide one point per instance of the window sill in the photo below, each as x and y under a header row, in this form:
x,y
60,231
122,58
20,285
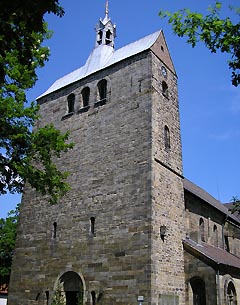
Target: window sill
x,y
165,95
100,103
84,109
66,116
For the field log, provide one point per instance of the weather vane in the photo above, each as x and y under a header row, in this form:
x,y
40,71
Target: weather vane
x,y
106,8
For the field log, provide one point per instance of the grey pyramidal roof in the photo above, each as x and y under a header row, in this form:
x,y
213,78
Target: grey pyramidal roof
x,y
101,57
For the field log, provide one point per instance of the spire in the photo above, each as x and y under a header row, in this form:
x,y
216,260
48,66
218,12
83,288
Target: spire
x,y
106,9
106,30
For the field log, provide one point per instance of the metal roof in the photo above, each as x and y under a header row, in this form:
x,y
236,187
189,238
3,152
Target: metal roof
x,y
101,57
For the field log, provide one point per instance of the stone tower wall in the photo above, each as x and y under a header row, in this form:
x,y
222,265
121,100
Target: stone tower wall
x,y
122,175
168,282
110,176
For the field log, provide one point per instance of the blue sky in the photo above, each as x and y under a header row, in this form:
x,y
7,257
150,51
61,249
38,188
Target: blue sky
x,y
209,104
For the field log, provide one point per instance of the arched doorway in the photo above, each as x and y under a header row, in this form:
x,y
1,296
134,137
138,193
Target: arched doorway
x,y
198,290
71,288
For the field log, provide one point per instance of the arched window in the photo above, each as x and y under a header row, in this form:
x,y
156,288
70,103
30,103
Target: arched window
x,y
108,37
166,137
71,102
226,242
102,93
99,37
198,291
231,297
215,235
85,96
102,89
201,229
165,89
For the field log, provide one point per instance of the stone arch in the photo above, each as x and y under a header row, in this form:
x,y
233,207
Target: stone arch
x,y
85,96
71,103
70,287
88,89
198,291
103,91
109,37
165,89
167,142
230,294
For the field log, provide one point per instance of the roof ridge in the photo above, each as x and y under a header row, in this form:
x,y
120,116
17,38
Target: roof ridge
x,y
118,55
208,198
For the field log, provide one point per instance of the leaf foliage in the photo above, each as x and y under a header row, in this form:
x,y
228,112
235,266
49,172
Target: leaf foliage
x,y
217,33
27,156
8,228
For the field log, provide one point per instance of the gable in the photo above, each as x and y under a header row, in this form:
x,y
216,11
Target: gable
x,y
160,49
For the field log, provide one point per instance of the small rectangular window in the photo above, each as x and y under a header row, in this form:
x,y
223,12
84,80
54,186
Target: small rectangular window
x,y
92,225
93,294
54,229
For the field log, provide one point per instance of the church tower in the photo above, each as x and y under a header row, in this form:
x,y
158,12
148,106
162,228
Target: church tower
x,y
116,237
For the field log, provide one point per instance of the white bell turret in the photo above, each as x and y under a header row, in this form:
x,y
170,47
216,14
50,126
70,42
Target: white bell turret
x,y
106,30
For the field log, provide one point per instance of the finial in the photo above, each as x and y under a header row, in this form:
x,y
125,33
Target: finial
x,y
106,10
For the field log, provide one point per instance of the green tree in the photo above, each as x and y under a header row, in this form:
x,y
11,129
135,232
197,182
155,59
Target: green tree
x,y
26,156
58,297
236,204
215,32
7,242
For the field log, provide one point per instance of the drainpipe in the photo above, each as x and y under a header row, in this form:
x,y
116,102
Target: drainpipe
x,y
223,239
218,290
